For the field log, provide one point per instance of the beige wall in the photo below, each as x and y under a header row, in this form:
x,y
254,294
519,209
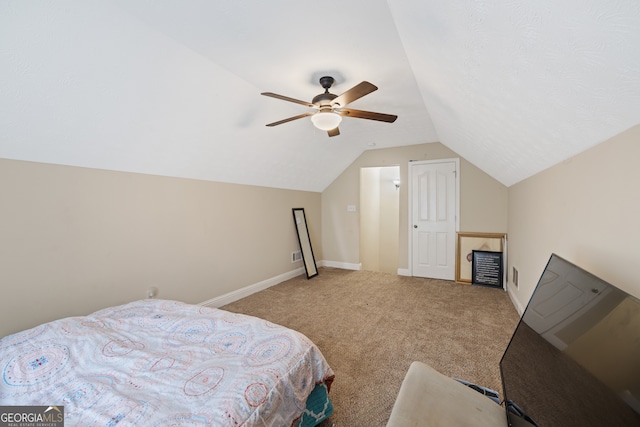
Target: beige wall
x,y
483,201
74,240
586,210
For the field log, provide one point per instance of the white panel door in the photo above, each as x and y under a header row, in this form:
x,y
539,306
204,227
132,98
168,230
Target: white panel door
x,y
433,219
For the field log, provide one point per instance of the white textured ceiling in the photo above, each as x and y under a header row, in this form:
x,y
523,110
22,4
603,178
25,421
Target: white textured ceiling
x,y
172,87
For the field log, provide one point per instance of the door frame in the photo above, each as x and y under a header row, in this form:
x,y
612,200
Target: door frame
x,y
455,160
396,207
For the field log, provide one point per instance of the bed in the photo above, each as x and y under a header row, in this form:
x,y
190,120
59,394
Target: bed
x,y
166,363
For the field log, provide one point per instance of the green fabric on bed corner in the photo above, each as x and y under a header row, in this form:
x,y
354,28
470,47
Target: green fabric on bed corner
x,y
318,407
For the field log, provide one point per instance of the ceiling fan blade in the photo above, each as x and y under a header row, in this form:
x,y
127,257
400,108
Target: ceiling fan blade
x,y
286,98
310,113
356,92
359,114
334,132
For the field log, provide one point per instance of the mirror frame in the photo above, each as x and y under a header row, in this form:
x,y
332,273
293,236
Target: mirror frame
x,y
308,259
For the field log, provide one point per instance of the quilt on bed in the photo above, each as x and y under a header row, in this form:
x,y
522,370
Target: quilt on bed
x,y
163,363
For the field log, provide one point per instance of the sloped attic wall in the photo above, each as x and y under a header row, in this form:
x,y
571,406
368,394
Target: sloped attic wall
x,y
586,210
73,240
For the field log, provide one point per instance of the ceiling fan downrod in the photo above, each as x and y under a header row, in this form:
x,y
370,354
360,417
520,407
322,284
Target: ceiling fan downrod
x,y
324,99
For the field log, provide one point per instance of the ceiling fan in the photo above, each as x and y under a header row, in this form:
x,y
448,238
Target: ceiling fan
x,y
329,108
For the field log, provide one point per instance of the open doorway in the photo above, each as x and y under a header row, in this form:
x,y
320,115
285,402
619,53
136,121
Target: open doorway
x,y
379,218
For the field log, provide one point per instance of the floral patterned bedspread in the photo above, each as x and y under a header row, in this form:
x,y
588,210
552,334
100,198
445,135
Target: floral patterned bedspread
x,y
163,363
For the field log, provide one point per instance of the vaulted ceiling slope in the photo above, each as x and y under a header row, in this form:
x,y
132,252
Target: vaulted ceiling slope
x,y
172,87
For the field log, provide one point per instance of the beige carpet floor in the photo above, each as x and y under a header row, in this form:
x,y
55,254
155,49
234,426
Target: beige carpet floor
x,y
371,326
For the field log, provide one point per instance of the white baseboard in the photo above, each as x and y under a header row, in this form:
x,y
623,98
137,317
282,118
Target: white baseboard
x,y
514,301
251,289
256,287
342,265
404,272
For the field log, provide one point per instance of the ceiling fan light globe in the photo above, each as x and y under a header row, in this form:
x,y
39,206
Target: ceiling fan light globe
x,y
326,120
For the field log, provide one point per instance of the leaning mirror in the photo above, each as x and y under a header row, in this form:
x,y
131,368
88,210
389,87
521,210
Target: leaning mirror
x,y
300,222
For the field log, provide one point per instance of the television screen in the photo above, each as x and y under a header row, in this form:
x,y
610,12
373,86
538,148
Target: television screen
x,y
574,358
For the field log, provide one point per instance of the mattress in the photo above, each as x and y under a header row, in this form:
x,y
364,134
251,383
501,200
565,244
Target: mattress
x,y
165,363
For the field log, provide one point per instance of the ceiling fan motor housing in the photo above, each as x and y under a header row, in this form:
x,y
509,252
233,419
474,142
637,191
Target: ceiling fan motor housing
x,y
323,100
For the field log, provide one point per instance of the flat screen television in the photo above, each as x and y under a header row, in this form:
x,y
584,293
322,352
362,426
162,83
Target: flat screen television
x,y
574,358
